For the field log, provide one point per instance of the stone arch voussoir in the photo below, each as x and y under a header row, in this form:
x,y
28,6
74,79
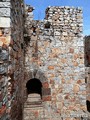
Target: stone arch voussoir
x,y
46,91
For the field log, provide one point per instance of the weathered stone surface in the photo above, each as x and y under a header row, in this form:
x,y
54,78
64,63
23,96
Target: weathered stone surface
x,y
5,40
4,12
11,59
4,4
52,53
3,69
5,22
4,55
57,50
5,0
76,88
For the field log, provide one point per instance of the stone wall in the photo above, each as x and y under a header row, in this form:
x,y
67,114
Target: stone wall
x,y
4,58
87,64
55,47
11,59
52,51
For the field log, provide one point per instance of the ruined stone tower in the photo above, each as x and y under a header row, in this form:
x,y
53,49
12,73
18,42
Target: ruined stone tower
x,y
41,63
11,59
55,54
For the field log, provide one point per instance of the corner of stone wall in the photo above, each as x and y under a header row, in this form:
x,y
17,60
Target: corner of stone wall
x,y
5,39
11,59
87,70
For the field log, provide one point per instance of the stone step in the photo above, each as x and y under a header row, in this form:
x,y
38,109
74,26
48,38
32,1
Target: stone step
x,y
33,106
33,97
34,103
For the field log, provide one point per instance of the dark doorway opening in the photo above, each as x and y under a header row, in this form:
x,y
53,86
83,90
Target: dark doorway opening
x,y
88,105
34,86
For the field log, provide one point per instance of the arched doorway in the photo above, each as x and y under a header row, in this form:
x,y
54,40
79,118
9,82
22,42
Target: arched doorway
x,y
34,86
88,105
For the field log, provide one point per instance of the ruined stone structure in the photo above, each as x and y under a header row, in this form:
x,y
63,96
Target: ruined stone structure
x,y
42,64
11,59
87,69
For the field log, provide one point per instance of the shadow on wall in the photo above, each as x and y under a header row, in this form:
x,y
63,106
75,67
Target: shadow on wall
x,y
88,105
87,51
87,65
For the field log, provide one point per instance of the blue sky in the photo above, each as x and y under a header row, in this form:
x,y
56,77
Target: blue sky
x,y
41,5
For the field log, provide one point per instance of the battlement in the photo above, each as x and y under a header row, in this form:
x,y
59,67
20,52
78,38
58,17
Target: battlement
x,y
67,21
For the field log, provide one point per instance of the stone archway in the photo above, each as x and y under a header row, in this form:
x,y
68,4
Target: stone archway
x,y
39,78
34,86
37,92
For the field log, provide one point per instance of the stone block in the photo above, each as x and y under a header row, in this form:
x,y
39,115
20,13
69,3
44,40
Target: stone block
x,y
76,88
45,85
1,33
4,4
2,110
57,33
5,0
5,12
47,98
3,68
71,50
1,43
5,22
50,67
5,40
4,55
